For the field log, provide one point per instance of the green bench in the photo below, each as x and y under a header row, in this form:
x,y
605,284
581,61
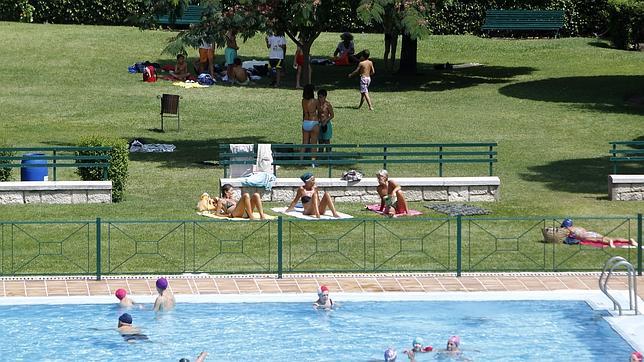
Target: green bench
x,y
344,155
55,157
619,154
192,15
513,21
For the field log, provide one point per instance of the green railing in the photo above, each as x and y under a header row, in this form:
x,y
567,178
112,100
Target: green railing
x,y
56,157
379,155
449,244
633,155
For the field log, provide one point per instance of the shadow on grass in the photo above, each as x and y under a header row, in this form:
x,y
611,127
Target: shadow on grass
x,y
599,44
609,93
428,79
584,175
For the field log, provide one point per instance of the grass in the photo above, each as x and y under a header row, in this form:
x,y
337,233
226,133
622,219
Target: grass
x,y
551,104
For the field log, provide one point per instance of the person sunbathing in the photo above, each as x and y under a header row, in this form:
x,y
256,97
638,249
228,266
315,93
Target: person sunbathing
x,y
392,200
311,203
578,233
227,206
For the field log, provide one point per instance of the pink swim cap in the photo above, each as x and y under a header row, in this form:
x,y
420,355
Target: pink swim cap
x,y
162,283
637,355
455,339
120,293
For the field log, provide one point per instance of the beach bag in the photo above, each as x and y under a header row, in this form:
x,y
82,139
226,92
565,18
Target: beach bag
x,y
149,74
205,79
352,175
554,235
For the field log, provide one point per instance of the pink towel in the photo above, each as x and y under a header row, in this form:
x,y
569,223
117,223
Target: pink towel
x,y
376,208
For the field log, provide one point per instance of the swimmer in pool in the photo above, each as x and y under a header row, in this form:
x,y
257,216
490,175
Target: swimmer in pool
x,y
311,203
323,298
417,347
124,300
200,358
129,332
165,299
390,355
636,357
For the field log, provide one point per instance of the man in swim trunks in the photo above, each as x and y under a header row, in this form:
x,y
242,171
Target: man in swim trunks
x,y
325,114
230,53
165,299
129,332
392,200
366,70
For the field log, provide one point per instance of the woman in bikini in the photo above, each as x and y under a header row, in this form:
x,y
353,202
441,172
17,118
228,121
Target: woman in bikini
x,y
227,206
310,120
308,194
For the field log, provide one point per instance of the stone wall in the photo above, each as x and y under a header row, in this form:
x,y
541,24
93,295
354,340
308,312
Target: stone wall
x,y
626,187
446,189
55,192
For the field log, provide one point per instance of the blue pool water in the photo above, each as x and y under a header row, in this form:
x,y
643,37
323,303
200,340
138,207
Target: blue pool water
x,y
357,331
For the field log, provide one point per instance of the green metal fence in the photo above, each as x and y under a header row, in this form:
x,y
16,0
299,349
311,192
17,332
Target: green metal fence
x,y
449,244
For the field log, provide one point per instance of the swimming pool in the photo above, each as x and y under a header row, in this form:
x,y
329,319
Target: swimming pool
x,y
512,330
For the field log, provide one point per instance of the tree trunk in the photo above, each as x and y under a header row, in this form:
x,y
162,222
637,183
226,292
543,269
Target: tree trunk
x,y
408,53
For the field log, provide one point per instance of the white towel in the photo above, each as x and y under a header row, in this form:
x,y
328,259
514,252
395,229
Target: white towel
x,y
241,170
264,158
298,214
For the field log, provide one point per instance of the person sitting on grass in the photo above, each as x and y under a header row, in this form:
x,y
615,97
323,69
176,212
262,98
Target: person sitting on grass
x,y
392,200
578,233
227,206
180,69
311,203
239,75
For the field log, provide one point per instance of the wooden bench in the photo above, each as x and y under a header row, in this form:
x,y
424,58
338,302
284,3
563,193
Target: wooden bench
x,y
57,157
619,154
192,15
513,21
446,189
344,156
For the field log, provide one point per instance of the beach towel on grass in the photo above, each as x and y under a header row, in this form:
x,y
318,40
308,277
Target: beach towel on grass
x,y
190,85
298,214
221,217
598,244
376,208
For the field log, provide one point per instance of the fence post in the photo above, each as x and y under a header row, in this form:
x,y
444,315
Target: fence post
x,y
491,172
459,244
639,244
98,248
279,247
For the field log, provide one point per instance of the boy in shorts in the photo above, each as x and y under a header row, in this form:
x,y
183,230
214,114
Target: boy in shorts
x,y
366,70
180,69
276,43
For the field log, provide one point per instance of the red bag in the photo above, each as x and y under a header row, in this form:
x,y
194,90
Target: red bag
x,y
149,74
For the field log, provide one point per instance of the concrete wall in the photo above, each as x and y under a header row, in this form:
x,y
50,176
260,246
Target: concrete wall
x,y
55,192
447,189
626,187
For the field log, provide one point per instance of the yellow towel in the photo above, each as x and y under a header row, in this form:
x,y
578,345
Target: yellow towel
x,y
215,216
189,85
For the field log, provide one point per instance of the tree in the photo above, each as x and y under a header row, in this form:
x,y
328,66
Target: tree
x,y
408,18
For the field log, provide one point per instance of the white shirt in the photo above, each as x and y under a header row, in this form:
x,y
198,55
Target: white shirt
x,y
275,44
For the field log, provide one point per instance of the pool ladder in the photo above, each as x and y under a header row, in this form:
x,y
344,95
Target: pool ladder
x,y
610,265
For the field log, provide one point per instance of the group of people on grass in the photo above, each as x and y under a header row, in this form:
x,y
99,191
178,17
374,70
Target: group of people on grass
x,y
307,196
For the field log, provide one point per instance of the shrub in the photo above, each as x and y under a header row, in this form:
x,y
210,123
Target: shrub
x,y
117,172
5,172
626,25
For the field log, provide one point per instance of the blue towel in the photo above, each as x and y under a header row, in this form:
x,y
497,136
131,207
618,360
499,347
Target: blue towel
x,y
260,179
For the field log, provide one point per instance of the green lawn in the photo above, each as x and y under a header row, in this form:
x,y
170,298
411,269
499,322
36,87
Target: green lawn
x,y
551,104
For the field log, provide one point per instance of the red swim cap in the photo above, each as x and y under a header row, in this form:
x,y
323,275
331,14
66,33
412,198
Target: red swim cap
x,y
120,293
324,288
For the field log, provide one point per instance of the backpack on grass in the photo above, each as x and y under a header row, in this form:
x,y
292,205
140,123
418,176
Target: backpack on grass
x,y
149,74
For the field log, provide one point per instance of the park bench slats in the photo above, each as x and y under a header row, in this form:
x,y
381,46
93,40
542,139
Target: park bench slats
x,y
192,15
523,20
621,155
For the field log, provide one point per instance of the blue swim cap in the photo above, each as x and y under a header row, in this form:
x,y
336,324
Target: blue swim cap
x,y
125,318
305,177
566,223
416,341
390,354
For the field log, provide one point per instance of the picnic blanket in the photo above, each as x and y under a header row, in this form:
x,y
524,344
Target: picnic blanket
x,y
298,214
376,208
221,217
597,244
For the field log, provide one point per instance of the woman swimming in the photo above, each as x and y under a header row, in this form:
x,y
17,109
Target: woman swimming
x,y
308,194
227,206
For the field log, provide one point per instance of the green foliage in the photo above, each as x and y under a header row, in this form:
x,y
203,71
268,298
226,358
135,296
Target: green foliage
x,y
626,25
100,12
10,10
118,170
5,172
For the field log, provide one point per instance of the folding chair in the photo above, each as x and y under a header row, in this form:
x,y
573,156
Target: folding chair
x,y
170,107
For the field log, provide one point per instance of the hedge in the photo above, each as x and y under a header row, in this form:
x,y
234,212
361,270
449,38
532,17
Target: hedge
x,y
118,170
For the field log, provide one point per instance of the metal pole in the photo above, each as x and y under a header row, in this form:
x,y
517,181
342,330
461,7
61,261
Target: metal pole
x,y
279,247
639,245
459,244
98,248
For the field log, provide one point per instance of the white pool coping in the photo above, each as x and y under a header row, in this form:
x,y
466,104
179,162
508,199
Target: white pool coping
x,y
630,327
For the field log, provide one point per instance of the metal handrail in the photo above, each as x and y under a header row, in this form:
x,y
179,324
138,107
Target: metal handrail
x,y
613,263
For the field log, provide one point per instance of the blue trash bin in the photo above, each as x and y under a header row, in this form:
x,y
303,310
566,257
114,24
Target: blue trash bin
x,y
33,173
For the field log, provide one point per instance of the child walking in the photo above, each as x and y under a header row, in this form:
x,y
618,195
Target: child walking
x,y
366,70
